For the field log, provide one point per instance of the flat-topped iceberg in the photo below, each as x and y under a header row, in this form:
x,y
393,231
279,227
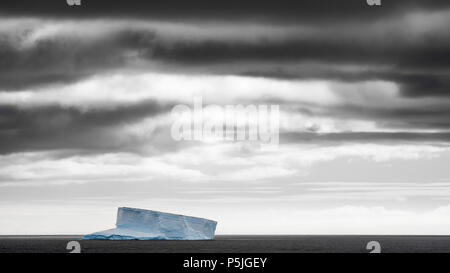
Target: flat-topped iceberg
x,y
140,224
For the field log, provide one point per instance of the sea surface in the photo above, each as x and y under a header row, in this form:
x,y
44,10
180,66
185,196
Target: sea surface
x,y
232,244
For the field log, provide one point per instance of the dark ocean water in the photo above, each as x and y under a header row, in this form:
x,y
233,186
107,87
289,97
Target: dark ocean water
x,y
231,244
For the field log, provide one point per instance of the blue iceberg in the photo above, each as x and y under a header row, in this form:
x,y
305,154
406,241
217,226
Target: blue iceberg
x,y
140,224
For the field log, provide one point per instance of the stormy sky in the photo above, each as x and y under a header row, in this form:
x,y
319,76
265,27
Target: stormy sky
x,y
86,95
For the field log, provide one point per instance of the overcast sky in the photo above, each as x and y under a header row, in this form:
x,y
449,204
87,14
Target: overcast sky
x,y
86,95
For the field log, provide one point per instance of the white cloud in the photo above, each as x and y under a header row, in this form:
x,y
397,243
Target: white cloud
x,y
232,161
108,91
48,169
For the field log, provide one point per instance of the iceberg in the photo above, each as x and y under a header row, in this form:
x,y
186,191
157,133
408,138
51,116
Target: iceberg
x,y
141,224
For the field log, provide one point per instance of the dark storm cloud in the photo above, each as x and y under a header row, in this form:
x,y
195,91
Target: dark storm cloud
x,y
324,10
60,59
421,68
318,51
366,137
425,85
389,48
425,117
434,116
183,9
359,44
293,40
54,127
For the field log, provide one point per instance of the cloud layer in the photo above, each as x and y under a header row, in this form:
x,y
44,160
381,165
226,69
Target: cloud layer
x,y
86,99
